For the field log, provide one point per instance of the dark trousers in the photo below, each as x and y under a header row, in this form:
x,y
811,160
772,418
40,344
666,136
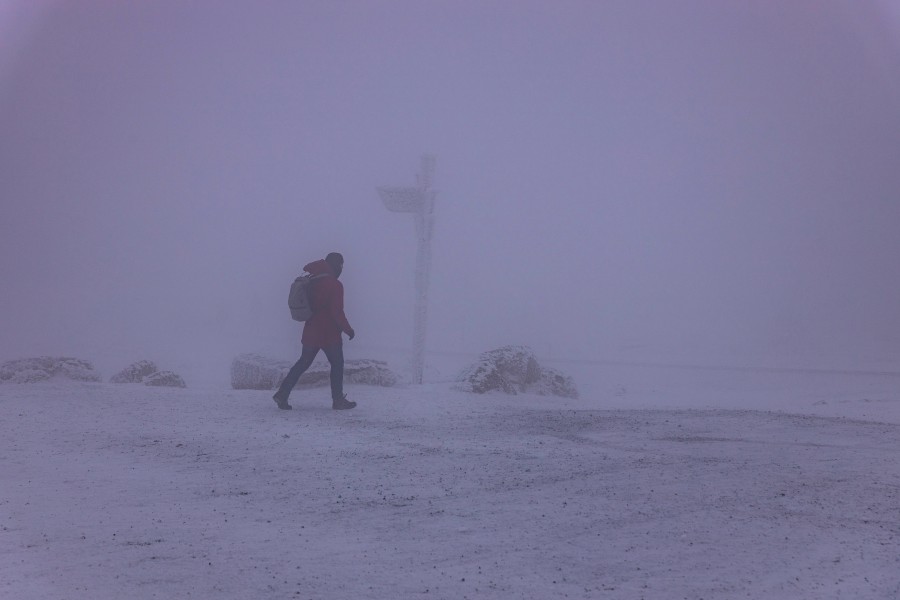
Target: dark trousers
x,y
335,356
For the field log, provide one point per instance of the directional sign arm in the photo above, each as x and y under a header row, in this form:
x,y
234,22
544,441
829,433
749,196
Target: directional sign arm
x,y
402,199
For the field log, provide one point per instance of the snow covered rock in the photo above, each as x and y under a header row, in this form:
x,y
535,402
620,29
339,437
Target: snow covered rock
x,y
554,383
24,376
366,371
363,371
513,370
508,369
135,372
31,370
146,372
255,372
164,379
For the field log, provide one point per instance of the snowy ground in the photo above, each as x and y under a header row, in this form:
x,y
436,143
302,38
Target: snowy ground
x,y
657,483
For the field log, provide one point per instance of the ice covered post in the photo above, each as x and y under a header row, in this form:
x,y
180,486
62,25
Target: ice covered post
x,y
419,201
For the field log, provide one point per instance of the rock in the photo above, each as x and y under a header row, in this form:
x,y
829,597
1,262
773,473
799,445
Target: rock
x,y
368,372
79,370
25,376
362,371
513,370
42,368
318,375
146,372
508,369
255,372
554,383
135,372
164,379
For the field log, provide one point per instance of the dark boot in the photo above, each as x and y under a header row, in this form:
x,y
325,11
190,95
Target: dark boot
x,y
282,404
342,403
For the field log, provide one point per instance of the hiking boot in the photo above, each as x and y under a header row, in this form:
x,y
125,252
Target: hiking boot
x,y
342,403
282,404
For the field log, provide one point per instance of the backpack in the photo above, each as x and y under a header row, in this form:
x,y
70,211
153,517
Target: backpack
x,y
299,300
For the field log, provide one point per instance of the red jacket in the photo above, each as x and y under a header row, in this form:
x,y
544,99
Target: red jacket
x,y
324,327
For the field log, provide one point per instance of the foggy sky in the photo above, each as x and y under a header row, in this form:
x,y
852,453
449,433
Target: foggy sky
x,y
685,177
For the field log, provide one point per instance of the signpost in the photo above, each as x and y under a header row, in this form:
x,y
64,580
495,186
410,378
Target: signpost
x,y
419,201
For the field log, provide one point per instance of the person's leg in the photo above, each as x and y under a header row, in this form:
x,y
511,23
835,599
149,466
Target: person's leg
x,y
335,356
290,380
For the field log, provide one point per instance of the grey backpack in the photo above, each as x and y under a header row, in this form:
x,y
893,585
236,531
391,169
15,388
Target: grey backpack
x,y
299,300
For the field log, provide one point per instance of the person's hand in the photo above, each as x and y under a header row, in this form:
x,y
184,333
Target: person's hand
x,y
351,333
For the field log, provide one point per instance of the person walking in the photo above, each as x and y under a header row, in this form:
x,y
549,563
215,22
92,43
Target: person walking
x,y
322,331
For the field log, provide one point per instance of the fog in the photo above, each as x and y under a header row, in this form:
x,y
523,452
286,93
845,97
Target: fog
x,y
695,181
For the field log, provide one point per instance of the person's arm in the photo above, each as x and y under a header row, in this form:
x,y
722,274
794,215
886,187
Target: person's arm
x,y
337,310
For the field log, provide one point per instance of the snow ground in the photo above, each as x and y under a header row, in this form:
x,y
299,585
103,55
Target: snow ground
x,y
657,483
